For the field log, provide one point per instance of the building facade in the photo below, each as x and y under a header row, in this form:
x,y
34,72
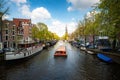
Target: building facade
x,y
16,32
24,27
9,34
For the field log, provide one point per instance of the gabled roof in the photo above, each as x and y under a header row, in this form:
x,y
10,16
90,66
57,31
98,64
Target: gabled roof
x,y
8,21
17,21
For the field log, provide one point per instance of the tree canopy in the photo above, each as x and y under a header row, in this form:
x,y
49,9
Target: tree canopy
x,y
104,20
40,31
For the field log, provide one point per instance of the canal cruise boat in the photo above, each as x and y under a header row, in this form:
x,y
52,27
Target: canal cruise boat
x,y
60,52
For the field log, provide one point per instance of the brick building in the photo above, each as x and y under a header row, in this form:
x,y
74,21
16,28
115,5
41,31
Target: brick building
x,y
24,27
8,34
16,32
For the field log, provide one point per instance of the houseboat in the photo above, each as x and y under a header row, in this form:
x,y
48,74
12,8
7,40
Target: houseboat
x,y
60,52
26,50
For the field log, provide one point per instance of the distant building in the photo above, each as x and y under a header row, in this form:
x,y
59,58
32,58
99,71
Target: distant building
x,y
9,34
24,27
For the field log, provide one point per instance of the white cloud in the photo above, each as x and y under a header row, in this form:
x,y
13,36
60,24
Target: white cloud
x,y
19,1
70,8
71,26
40,13
81,4
57,23
37,14
24,9
59,27
5,17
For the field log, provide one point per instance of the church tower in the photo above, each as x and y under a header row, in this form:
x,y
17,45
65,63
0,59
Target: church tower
x,y
66,33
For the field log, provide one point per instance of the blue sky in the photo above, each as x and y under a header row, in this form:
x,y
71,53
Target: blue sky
x,y
57,14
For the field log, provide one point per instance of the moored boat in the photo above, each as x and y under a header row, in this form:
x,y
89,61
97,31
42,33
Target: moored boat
x,y
103,44
61,51
83,48
104,58
24,53
89,52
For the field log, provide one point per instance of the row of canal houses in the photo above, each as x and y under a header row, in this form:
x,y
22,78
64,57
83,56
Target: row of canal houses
x,y
16,32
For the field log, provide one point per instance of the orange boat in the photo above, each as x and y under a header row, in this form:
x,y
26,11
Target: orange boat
x,y
61,51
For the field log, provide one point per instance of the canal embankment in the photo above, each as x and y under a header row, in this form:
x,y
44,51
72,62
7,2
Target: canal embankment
x,y
115,56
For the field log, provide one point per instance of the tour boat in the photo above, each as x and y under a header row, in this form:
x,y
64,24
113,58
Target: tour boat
x,y
60,52
23,53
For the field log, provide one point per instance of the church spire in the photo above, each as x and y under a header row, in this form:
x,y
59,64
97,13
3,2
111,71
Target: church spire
x,y
66,33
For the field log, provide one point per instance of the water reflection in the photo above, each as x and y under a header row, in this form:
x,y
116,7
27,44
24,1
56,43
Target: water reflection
x,y
77,66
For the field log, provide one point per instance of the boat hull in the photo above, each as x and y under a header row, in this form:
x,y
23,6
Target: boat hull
x,y
60,55
83,48
89,52
104,58
22,54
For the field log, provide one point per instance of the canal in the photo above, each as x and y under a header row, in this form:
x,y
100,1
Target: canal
x,y
43,66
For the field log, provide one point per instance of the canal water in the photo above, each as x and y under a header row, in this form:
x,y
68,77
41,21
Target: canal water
x,y
43,66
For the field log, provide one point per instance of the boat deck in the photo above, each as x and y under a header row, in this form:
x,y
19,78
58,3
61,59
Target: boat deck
x,y
61,51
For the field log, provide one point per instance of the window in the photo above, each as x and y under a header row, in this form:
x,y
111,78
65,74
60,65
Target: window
x,y
6,31
13,33
6,37
13,28
13,37
6,26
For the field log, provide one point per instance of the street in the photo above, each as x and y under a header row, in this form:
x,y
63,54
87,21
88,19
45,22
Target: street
x,y
44,66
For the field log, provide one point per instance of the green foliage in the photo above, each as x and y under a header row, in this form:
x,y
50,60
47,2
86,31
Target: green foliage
x,y
42,26
111,17
35,32
106,22
40,31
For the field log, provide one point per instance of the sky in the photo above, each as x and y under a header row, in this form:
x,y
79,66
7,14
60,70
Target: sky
x,y
56,14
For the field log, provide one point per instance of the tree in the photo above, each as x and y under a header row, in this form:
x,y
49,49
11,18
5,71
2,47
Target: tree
x,y
43,30
3,11
3,8
111,17
55,36
35,32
